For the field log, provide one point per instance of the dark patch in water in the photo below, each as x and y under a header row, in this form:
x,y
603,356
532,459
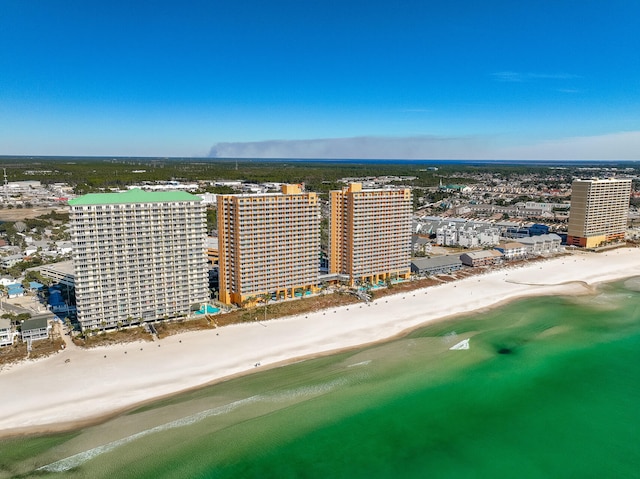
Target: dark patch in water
x,y
505,351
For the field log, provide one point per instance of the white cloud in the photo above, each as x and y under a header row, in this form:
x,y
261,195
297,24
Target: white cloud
x,y
508,76
569,90
517,77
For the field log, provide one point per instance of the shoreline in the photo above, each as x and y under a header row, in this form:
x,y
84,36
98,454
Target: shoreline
x,y
48,395
79,424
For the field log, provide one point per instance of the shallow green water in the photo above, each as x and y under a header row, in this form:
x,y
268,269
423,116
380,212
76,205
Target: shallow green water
x,y
550,387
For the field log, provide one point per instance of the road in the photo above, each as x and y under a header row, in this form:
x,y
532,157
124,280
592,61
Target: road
x,y
11,308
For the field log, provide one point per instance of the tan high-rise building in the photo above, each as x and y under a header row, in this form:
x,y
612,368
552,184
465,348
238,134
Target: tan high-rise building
x,y
268,244
599,211
370,237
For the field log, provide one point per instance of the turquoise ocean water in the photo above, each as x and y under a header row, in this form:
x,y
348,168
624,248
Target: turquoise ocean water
x,y
550,387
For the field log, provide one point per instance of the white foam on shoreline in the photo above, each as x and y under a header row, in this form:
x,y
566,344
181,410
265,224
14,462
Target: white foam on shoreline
x,y
82,457
289,395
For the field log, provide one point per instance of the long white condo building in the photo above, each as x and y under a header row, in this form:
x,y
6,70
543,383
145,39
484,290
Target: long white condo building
x,y
138,256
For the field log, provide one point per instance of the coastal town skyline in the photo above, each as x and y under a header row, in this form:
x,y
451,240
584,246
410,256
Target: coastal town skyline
x,y
319,239
495,313
373,232
341,80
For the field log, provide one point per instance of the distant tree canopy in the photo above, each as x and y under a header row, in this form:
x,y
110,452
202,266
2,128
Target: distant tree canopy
x,y
91,175
16,319
219,190
88,175
37,277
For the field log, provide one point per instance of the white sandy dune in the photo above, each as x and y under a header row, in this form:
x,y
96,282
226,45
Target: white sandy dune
x,y
54,393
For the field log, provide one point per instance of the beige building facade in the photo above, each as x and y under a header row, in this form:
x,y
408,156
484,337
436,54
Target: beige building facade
x,y
269,244
599,211
370,233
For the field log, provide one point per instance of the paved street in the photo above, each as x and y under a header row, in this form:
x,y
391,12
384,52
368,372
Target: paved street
x,y
16,309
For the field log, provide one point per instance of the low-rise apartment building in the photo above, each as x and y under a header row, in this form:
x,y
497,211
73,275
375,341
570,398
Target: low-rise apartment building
x,y
542,244
481,258
512,251
436,265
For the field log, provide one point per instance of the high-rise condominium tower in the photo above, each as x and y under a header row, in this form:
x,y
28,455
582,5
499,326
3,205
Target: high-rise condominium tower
x,y
137,256
269,244
599,211
370,238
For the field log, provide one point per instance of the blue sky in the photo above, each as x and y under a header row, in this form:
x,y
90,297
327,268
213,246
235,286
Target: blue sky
x,y
334,78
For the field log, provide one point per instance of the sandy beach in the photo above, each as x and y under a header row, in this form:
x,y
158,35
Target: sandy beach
x,y
77,386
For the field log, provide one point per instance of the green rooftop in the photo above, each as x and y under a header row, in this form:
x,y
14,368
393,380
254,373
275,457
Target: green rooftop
x,y
34,323
135,195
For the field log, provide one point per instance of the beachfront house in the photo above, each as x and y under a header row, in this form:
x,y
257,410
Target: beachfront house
x,y
512,251
481,258
438,265
34,329
6,333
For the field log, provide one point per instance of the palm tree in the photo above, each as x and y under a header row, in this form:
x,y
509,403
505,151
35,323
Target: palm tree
x,y
67,323
266,297
247,301
388,282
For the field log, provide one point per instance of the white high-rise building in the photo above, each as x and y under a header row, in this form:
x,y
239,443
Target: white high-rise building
x,y
138,256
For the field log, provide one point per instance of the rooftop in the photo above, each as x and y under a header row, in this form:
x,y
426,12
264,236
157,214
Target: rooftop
x,y
601,180
133,196
437,261
35,323
511,245
62,267
541,238
483,254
